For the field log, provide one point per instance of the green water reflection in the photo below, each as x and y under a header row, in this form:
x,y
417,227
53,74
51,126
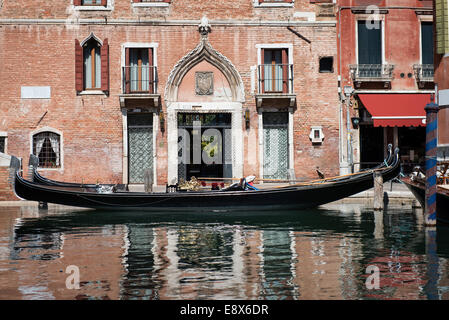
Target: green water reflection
x,y
314,254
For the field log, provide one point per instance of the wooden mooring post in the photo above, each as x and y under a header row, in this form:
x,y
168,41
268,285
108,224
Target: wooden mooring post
x,y
148,180
378,201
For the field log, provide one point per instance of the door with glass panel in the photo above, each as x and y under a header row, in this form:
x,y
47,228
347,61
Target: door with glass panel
x,y
275,145
275,71
140,146
139,70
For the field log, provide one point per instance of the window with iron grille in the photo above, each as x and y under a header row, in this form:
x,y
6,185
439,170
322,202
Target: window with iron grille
x,y
2,144
47,147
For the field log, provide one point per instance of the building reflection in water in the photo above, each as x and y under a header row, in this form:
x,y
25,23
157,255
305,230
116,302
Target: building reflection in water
x,y
322,255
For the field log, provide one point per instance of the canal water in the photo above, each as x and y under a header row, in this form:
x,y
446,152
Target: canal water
x,y
342,252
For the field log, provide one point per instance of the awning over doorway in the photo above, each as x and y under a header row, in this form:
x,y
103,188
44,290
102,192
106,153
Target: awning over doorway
x,y
396,109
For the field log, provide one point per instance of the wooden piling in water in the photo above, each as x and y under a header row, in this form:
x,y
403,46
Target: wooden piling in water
x,y
378,202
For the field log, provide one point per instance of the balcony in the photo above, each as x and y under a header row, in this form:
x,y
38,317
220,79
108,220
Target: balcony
x,y
139,87
361,73
423,74
275,85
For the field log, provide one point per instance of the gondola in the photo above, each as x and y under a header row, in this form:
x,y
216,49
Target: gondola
x,y
37,178
418,188
299,196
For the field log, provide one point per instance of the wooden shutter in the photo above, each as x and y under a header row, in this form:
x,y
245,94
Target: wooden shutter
x,y
127,73
105,66
262,71
104,2
167,1
260,1
369,44
76,2
137,1
284,71
151,70
427,42
79,69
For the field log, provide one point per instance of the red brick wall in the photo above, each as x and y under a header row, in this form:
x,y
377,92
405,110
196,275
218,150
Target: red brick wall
x,y
92,125
6,192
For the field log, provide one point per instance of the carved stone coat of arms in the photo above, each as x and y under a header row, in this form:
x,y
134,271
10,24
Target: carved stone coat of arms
x,y
204,83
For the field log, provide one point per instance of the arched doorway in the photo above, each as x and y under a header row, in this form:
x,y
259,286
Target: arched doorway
x,y
204,97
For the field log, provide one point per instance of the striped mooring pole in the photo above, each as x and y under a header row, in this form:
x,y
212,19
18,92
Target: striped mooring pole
x,y
431,163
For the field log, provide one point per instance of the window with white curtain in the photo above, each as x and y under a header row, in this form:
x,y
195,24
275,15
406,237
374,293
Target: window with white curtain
x,y
92,64
47,147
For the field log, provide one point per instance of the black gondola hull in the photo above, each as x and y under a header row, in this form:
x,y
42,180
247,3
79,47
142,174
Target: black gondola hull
x,y
298,197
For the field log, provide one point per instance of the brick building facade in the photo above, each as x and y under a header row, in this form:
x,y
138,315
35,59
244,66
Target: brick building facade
x,y
102,92
386,70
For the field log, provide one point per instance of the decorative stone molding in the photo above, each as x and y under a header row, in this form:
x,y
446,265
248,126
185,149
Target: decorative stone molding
x,y
204,51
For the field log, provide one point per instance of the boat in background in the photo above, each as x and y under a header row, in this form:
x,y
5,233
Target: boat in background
x,y
298,196
417,185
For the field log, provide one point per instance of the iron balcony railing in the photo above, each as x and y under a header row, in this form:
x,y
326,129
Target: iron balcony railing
x,y
371,72
275,78
424,72
139,79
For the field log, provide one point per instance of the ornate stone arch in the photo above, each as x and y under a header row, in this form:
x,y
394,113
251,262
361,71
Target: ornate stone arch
x,y
91,36
204,52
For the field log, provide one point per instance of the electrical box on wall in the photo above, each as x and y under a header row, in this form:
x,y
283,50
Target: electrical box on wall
x,y
316,134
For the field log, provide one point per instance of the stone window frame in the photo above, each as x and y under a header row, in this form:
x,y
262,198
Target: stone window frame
x,y
61,146
136,45
365,17
4,135
148,4
421,19
109,7
94,91
274,4
272,46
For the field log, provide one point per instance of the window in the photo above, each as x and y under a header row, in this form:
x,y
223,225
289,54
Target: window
x,y
2,144
92,65
90,2
369,48
47,147
139,70
327,64
274,1
143,1
427,42
275,70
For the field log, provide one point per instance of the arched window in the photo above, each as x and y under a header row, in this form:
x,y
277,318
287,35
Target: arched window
x,y
47,147
92,64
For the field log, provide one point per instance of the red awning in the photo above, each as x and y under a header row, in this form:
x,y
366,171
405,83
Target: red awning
x,y
396,109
